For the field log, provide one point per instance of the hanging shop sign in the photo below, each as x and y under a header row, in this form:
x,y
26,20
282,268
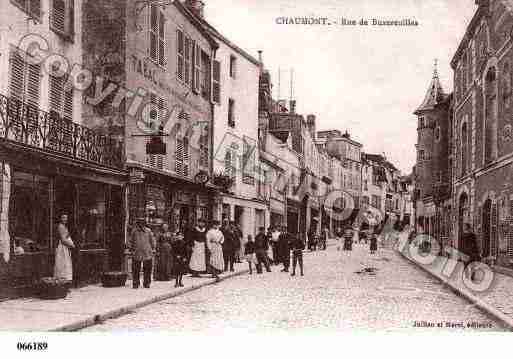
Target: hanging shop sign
x,y
202,177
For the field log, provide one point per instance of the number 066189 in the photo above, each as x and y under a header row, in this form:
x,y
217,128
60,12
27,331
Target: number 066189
x,y
32,346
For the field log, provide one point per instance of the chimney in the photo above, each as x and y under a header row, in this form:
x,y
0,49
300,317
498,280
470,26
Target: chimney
x,y
310,122
260,56
196,6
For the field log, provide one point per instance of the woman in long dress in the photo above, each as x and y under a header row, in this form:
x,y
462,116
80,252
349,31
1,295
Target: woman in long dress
x,y
198,261
215,241
63,268
164,257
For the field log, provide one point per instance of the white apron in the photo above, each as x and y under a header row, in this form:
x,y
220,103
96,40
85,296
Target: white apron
x,y
63,268
197,262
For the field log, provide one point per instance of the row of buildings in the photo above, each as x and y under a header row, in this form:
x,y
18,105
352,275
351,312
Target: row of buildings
x,y
113,110
464,164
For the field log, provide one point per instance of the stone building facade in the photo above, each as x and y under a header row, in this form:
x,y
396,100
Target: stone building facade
x,y
483,142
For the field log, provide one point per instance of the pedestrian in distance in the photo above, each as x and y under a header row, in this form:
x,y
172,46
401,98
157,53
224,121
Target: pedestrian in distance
x,y
237,243
275,236
339,237
470,249
215,241
228,246
261,248
242,241
373,243
312,239
164,259
179,253
283,250
348,239
297,246
142,245
249,253
324,238
198,261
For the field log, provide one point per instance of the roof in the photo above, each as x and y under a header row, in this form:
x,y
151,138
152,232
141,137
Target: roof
x,y
380,159
434,95
194,20
214,32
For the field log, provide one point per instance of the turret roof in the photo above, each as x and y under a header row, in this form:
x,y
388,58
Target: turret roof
x,y
434,95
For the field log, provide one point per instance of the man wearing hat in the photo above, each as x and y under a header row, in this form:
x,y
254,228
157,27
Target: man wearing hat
x,y
261,248
142,245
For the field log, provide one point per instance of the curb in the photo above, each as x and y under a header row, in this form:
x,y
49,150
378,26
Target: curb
x,y
98,318
478,302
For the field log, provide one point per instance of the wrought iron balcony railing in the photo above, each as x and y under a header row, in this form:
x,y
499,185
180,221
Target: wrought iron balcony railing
x,y
30,126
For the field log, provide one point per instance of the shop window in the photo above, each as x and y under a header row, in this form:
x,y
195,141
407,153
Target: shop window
x,y
29,212
91,215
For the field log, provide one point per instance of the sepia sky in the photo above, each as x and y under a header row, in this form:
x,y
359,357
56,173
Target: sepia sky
x,y
366,79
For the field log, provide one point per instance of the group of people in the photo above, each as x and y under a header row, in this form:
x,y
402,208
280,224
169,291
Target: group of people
x,y
345,239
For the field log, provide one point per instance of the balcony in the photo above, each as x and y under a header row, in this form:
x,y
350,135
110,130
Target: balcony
x,y
29,126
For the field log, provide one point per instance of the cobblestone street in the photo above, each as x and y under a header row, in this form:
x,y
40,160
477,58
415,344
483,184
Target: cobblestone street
x,y
335,293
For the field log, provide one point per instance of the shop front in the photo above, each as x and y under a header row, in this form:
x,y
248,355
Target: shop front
x,y
161,198
47,172
293,210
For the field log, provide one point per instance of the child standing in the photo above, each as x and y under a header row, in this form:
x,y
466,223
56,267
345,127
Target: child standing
x,y
249,253
179,252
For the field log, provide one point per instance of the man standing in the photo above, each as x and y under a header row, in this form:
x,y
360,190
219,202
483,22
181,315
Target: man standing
x,y
228,246
283,250
261,248
275,236
470,248
142,245
297,247
237,245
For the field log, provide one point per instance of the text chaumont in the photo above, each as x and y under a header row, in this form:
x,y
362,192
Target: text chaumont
x,y
285,20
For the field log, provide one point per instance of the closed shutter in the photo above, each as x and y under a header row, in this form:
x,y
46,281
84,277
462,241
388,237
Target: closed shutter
x,y
180,55
185,157
153,32
197,68
187,61
204,148
17,77
494,233
179,156
162,40
25,80
58,15
216,82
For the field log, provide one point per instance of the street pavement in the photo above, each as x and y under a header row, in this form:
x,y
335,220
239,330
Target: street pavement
x,y
340,291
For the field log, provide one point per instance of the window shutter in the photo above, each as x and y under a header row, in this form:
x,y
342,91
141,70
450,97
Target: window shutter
x,y
185,157
197,68
162,40
17,76
216,82
179,156
187,61
58,19
153,32
67,112
180,55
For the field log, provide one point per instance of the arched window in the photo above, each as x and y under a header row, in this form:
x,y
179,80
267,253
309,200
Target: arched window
x,y
464,149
